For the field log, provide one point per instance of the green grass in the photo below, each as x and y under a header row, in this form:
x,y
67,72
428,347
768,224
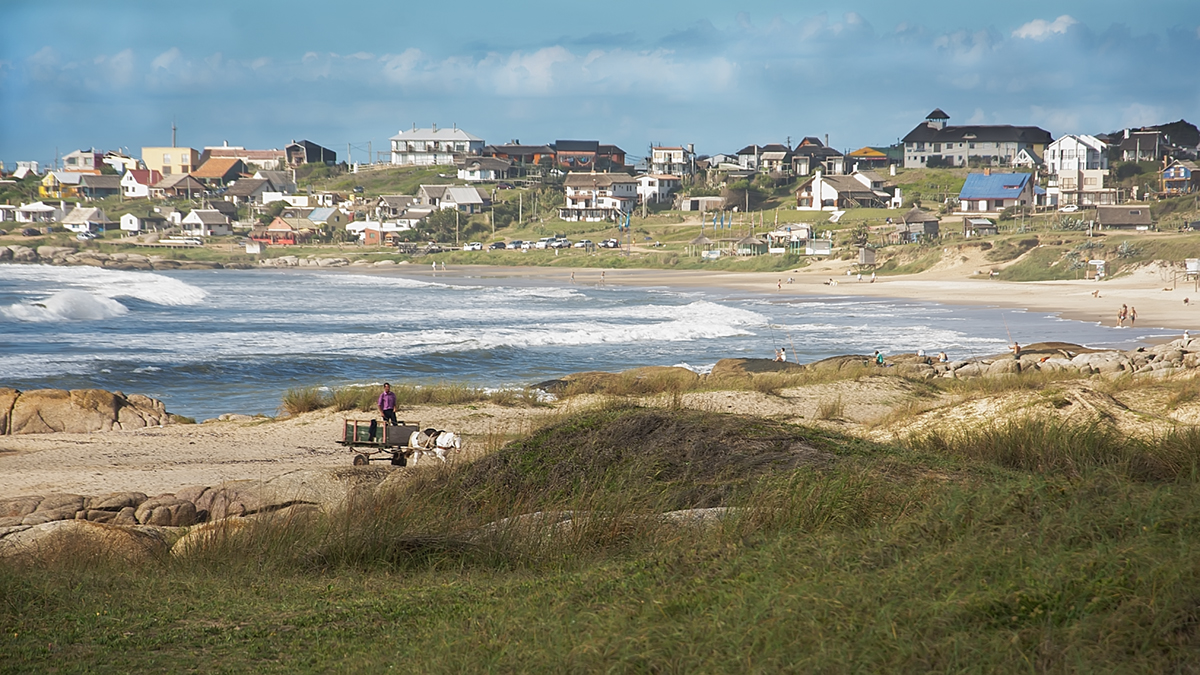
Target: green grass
x,y
847,556
307,399
910,263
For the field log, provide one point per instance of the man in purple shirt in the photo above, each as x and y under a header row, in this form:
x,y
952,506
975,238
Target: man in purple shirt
x,y
387,404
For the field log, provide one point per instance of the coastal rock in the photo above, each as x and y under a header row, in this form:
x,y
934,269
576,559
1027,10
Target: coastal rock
x,y
207,535
1003,367
847,362
19,507
23,254
166,510
383,263
8,398
81,539
6,254
744,367
80,411
116,501
53,251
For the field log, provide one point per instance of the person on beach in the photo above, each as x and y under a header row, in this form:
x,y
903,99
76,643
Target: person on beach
x,y
942,358
435,266
1132,316
387,404
572,277
1016,350
601,276
1121,314
878,358
779,284
872,277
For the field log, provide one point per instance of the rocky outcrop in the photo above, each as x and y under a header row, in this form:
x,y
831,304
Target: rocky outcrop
x,y
310,261
43,411
65,255
83,539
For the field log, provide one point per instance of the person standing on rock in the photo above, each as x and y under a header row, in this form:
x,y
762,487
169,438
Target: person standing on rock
x,y
387,404
1016,350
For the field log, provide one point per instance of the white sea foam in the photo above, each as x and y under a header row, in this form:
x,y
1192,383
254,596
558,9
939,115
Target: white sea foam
x,y
66,306
147,286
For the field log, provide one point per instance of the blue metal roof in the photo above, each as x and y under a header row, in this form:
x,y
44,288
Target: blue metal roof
x,y
995,186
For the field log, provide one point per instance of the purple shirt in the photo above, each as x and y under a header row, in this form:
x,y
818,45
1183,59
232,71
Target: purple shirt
x,y
387,400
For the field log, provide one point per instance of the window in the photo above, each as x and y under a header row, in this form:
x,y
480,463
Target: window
x,y
972,146
937,147
1089,181
166,158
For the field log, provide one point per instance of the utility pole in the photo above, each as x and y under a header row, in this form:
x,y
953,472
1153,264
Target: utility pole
x,y
173,145
520,208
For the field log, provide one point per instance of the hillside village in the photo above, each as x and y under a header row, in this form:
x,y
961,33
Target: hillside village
x,y
446,189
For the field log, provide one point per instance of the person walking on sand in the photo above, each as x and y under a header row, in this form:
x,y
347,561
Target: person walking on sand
x,y
572,277
435,266
872,277
1132,316
387,404
601,276
779,284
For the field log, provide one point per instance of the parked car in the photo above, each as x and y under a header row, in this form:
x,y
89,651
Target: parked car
x,y
496,246
1069,208
473,246
610,243
560,243
30,232
516,244
504,186
583,243
544,242
85,236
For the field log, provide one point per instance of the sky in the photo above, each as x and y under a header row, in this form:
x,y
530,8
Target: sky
x,y
115,74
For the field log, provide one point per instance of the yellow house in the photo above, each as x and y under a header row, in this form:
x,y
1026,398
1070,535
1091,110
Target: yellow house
x,y
60,185
171,161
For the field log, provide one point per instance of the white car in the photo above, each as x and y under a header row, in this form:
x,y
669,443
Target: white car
x,y
1069,208
473,246
583,243
85,236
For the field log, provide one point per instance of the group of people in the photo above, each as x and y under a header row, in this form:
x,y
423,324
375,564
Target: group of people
x,y
1126,313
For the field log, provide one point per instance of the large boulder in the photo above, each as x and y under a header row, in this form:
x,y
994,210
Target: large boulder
x,y
81,539
744,367
8,398
166,510
79,411
23,254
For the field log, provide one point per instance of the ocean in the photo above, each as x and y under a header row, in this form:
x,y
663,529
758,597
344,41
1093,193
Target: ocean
x,y
218,341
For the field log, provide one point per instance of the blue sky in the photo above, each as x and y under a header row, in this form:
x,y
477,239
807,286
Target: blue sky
x,y
77,74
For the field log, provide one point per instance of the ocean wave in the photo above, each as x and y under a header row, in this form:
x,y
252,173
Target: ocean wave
x,y
66,306
147,286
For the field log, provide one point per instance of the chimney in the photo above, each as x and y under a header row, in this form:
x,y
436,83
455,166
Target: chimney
x,y
435,127
1126,133
827,140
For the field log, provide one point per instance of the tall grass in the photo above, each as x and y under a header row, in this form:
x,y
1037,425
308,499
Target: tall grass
x,y
308,399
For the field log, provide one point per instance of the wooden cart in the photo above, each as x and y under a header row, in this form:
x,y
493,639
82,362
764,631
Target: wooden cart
x,y
375,441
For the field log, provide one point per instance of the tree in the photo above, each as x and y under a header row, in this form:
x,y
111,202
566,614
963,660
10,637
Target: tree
x,y
743,195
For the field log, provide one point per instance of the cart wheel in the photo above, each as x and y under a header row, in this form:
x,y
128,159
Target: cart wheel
x,y
361,460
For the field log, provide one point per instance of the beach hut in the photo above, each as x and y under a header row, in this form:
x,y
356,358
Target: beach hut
x,y
751,245
701,243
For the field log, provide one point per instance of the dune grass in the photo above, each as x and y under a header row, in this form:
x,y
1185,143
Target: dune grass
x,y
364,399
1016,549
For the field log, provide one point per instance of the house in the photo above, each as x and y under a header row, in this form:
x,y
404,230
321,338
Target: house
x,y
206,223
266,160
462,198
701,203
1143,145
654,188
176,185
60,185
867,158
151,221
813,155
120,162
1027,159
775,158
171,161
673,161
7,212
484,169
433,146
281,181
1181,177
284,232
307,152
328,215
220,171
247,191
830,193
978,227
393,206
748,157
136,183
227,209
291,200
40,212
83,161
86,219
384,234
329,198
915,224
1124,217
1078,165
933,143
593,197
587,156
993,192
99,186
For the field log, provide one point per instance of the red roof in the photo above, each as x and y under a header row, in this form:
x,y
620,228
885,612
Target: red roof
x,y
145,177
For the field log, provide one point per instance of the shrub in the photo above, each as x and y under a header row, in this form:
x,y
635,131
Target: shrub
x,y
302,400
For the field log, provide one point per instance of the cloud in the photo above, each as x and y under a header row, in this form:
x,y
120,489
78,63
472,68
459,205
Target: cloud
x,y
1040,29
166,59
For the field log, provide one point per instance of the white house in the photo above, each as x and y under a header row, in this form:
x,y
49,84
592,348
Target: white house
x,y
136,183
463,198
653,188
297,201
433,146
39,212
134,223
863,189
83,160
676,161
87,219
475,169
206,223
1078,164
593,197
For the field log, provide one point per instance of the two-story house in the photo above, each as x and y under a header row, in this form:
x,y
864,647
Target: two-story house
x,y
993,192
136,183
657,187
593,197
587,156
675,161
1181,177
83,161
934,143
433,146
476,169
1078,166
813,155
266,160
307,152
171,161
60,185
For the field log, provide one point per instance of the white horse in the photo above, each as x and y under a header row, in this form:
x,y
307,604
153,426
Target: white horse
x,y
432,442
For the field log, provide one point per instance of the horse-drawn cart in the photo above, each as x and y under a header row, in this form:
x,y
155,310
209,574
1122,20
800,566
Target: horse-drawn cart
x,y
376,441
